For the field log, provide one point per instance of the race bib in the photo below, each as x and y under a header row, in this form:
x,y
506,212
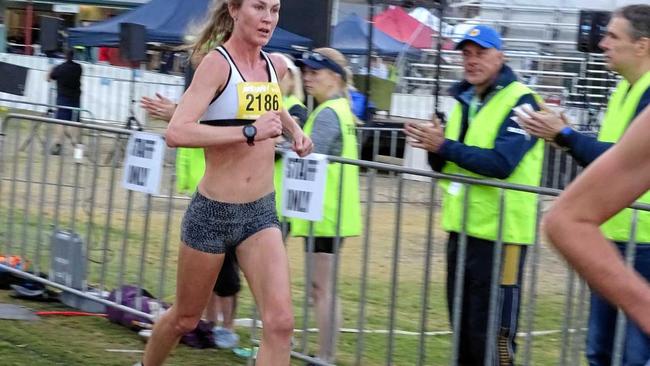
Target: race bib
x,y
257,98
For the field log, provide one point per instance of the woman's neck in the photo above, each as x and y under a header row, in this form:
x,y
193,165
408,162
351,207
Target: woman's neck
x,y
242,51
329,94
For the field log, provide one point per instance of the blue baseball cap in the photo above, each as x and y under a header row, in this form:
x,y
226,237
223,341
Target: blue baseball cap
x,y
317,61
483,36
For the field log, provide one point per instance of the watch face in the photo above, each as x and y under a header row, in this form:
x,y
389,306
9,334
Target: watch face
x,y
561,139
249,131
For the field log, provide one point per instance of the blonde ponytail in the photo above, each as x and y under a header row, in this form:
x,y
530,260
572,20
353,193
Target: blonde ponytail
x,y
214,31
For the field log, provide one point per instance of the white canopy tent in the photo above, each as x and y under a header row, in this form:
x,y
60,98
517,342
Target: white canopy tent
x,y
427,18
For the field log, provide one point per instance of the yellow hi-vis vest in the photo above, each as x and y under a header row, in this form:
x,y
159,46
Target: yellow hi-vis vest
x,y
620,111
190,168
350,213
520,211
287,103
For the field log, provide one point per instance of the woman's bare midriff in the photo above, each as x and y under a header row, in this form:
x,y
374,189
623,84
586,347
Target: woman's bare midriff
x,y
238,173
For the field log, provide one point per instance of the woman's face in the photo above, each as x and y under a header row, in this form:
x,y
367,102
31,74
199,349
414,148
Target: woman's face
x,y
321,84
256,19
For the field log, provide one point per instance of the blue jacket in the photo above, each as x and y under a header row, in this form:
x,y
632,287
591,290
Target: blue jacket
x,y
510,145
586,149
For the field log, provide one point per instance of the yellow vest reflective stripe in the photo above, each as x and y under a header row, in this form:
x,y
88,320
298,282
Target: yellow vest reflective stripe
x,y
350,201
287,103
620,112
520,211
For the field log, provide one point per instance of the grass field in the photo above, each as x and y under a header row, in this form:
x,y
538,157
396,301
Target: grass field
x,y
56,340
28,211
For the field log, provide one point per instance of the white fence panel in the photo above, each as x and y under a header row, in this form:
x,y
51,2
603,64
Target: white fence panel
x,y
105,89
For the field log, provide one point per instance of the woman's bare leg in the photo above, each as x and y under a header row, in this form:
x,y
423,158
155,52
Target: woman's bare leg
x,y
197,273
212,309
263,259
228,306
323,264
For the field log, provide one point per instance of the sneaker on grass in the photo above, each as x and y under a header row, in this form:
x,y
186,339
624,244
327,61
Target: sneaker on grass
x,y
225,338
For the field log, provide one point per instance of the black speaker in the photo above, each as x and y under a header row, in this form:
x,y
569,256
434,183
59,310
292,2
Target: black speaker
x,y
133,45
308,18
13,78
49,34
592,26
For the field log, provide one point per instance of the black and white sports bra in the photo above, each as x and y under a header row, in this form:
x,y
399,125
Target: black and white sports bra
x,y
241,102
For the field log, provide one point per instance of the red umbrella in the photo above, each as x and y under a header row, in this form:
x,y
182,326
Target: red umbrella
x,y
403,27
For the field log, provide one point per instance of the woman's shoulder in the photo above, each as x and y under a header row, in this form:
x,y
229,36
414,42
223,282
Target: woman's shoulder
x,y
205,72
327,114
215,58
333,105
279,65
212,61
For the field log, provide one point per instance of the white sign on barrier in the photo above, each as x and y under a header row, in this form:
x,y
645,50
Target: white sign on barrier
x,y
303,187
143,163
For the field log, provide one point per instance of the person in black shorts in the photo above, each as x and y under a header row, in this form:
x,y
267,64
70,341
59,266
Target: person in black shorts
x,y
222,306
234,205
68,94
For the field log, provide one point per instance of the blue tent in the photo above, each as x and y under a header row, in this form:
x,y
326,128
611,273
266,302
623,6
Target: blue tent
x,y
166,22
350,36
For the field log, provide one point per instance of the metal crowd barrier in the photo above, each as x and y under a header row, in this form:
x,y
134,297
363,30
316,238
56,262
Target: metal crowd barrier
x,y
50,108
77,115
106,89
386,145
390,279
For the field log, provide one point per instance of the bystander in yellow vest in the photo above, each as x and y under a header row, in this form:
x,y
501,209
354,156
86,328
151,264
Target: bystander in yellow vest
x,y
620,112
350,212
520,211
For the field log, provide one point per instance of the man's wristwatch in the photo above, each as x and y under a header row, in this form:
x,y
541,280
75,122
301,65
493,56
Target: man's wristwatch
x,y
249,132
562,137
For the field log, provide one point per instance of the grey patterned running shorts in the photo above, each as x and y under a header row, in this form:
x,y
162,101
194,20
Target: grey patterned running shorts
x,y
212,226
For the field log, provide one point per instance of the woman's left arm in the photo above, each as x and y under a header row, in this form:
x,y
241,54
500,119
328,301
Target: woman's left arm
x,y
302,144
289,124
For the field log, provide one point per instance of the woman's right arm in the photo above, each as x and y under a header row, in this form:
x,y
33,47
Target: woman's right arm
x,y
183,129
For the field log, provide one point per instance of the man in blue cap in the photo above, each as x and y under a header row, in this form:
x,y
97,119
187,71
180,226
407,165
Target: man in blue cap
x,y
483,140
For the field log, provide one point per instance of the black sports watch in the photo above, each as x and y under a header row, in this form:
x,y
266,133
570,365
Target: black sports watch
x,y
562,137
249,132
